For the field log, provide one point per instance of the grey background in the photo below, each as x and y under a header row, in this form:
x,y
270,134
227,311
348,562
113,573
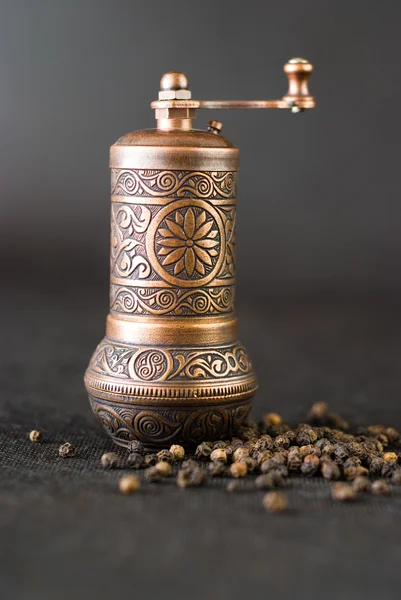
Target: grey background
x,y
319,194
318,289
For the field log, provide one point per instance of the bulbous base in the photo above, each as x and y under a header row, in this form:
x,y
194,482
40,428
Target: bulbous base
x,y
163,396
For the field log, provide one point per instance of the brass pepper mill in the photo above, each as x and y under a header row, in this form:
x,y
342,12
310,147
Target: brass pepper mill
x,y
171,368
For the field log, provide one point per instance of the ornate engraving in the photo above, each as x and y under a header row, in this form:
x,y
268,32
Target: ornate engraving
x,y
124,390
125,256
186,243
161,426
178,184
151,365
174,302
156,365
227,270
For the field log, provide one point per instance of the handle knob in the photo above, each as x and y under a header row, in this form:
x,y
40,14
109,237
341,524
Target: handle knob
x,y
298,71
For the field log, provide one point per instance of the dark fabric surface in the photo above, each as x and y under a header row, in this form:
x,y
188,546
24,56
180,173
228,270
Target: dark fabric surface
x,y
66,532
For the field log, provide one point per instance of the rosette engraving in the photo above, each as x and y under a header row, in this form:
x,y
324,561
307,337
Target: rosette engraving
x,y
188,243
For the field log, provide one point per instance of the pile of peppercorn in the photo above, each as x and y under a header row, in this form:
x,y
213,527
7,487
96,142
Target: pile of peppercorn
x,y
367,460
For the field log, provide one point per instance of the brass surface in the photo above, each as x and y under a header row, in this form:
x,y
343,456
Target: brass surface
x,y
171,368
154,330
298,71
215,126
175,158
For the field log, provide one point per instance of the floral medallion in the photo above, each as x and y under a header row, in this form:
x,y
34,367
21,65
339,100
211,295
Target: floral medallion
x,y
188,244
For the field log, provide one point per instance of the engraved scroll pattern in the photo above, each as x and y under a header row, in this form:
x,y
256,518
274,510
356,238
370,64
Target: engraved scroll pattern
x,y
174,301
157,365
173,184
128,226
164,426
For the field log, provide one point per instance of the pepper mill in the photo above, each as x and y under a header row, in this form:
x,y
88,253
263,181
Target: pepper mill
x,y
171,368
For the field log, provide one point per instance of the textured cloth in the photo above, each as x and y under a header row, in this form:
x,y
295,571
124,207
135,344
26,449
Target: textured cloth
x,y
66,531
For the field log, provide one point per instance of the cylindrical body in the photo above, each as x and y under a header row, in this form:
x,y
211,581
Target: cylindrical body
x,y
171,369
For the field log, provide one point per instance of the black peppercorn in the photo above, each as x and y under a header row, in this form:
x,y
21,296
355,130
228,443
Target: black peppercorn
x,y
328,449
153,475
305,435
282,442
229,453
275,502
322,443
383,439
294,460
35,436
356,449
388,468
129,484
330,470
308,449
375,465
135,460
165,455
189,465
340,452
272,419
240,453
380,487
219,444
216,469
190,478
352,461
249,433
261,457
177,452
218,455
396,477
66,450
310,466
393,435
291,436
318,413
390,457
109,460
266,482
281,457
268,465
351,472
361,484
164,468
275,430
251,463
238,469
336,421
279,474
342,492
234,486
278,460
203,451
150,460
236,443
251,446
265,442
135,446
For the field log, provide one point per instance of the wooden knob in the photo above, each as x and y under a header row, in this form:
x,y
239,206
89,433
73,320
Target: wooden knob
x,y
298,71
